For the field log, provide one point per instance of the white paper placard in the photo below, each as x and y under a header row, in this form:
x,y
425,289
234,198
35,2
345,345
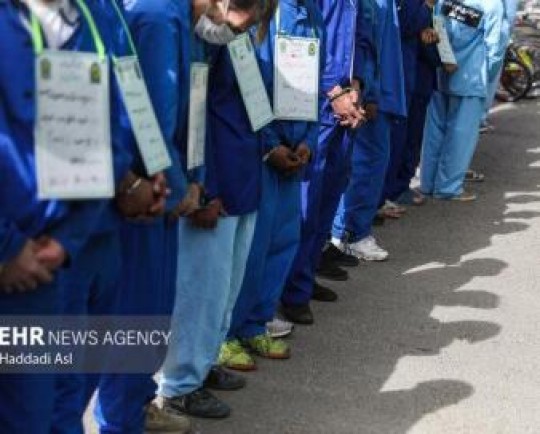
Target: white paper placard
x,y
141,115
250,82
73,138
445,49
198,96
296,78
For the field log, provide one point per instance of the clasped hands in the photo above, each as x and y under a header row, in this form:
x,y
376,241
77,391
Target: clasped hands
x,y
346,106
287,161
142,199
33,266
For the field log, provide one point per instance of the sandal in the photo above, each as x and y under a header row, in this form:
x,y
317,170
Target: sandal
x,y
473,176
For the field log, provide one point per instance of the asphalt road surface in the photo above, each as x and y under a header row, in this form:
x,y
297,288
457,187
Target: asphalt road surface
x,y
443,338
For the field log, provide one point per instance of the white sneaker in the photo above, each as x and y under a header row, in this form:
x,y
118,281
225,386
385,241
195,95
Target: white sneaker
x,y
279,328
367,249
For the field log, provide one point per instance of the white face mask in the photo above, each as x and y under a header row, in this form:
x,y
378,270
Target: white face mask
x,y
218,34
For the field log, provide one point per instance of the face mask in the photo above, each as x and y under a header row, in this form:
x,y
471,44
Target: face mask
x,y
218,34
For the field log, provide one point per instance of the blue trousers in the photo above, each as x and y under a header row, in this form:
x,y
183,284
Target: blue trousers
x,y
276,240
211,266
88,287
147,287
328,179
450,138
398,154
27,400
360,201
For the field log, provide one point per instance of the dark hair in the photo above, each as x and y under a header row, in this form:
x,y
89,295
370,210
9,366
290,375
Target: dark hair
x,y
265,11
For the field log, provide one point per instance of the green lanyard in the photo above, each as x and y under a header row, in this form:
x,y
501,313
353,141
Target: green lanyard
x,y
37,37
126,28
278,22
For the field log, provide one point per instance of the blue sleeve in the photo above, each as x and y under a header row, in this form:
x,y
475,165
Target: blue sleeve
x,y
493,39
312,137
511,11
265,57
158,40
414,16
12,239
365,67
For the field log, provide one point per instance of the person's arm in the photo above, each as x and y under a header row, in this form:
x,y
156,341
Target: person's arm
x,y
265,57
159,44
312,137
493,39
365,67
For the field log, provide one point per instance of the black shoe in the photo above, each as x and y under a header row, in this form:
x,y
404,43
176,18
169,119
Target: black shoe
x,y
199,403
378,221
298,314
336,256
220,379
330,271
322,293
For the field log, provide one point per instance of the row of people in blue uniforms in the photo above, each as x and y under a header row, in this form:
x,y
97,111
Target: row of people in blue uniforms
x,y
220,248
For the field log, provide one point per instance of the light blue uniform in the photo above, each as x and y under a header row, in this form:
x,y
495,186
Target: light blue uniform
x,y
277,233
381,70
456,109
79,226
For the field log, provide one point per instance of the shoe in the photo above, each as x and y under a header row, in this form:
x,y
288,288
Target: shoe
x,y
298,314
279,328
199,403
486,127
332,254
415,197
162,420
221,379
330,271
367,249
474,176
392,210
465,196
234,356
322,293
268,347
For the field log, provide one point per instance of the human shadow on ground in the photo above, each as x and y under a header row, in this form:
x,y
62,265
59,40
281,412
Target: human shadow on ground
x,y
336,380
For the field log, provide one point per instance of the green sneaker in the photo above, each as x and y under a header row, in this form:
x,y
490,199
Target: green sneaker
x,y
268,347
234,356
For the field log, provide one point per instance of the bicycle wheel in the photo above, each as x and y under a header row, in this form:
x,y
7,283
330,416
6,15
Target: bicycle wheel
x,y
516,80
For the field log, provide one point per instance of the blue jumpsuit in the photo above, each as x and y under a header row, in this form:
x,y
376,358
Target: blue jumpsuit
x,y
381,70
90,285
150,251
328,175
277,232
212,262
456,109
414,16
76,225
